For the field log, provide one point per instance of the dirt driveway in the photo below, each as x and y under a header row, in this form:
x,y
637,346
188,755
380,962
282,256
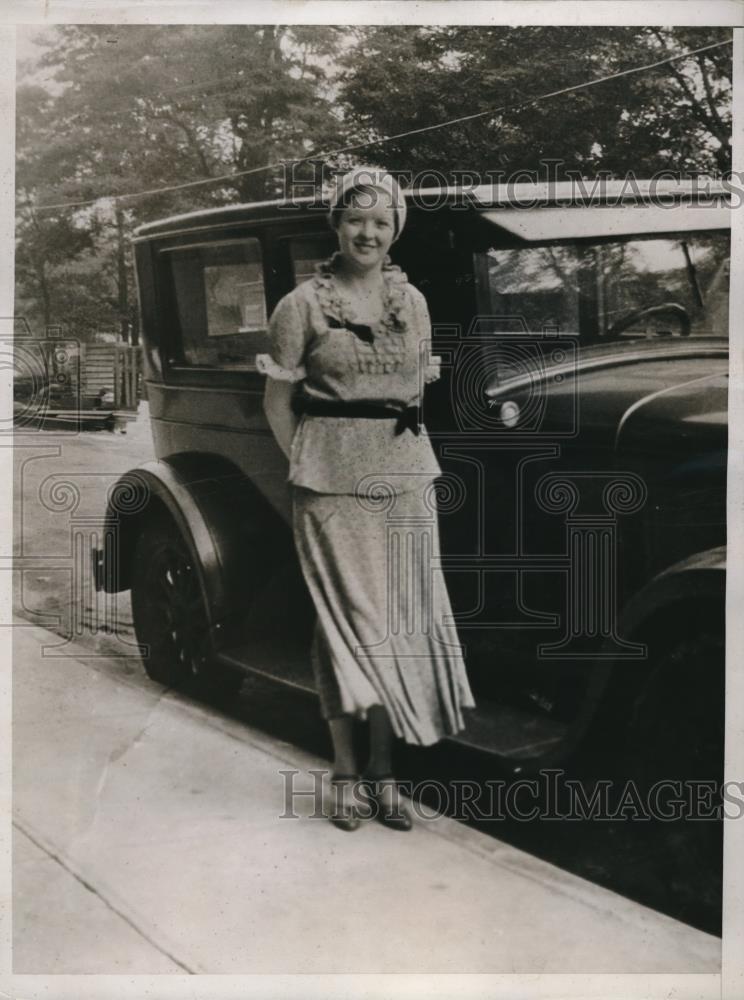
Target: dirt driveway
x,y
61,481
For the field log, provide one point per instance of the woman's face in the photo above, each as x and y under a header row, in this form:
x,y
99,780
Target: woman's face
x,y
366,230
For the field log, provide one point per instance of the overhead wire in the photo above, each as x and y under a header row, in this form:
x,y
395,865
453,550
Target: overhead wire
x,y
353,147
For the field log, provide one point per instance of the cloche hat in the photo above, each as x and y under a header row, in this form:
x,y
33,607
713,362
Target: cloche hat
x,y
363,178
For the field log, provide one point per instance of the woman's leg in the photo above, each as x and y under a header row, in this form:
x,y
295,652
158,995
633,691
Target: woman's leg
x,y
342,737
381,737
343,809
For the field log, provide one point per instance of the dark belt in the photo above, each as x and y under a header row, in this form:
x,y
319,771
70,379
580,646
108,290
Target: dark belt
x,y
408,418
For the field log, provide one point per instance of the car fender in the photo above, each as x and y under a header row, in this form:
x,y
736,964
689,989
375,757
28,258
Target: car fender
x,y
699,579
218,511
701,576
661,609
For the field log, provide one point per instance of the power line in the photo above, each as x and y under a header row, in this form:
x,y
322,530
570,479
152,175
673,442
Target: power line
x,y
325,154
528,102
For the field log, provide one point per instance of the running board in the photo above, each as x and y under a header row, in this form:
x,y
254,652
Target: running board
x,y
509,732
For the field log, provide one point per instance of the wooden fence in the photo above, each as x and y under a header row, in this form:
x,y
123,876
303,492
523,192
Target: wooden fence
x,y
114,367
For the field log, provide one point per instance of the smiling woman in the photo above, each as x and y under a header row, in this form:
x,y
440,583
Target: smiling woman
x,y
553,598
346,373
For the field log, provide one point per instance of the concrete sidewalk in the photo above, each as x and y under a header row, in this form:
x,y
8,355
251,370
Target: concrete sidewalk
x,y
148,840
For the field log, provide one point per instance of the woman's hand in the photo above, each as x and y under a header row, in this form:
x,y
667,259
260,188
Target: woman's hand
x,y
277,404
433,369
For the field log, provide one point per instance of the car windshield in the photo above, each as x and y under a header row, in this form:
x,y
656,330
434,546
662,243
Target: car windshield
x,y
635,288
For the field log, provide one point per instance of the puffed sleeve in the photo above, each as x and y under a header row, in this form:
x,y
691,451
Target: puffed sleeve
x,y
422,324
287,343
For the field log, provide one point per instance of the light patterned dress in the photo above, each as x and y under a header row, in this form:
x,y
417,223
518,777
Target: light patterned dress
x,y
364,509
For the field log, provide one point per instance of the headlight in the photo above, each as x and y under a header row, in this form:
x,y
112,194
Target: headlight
x,y
509,414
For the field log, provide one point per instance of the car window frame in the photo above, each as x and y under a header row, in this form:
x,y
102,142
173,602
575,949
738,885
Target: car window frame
x,y
176,372
586,243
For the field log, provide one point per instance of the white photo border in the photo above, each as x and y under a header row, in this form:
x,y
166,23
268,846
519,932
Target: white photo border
x,y
730,984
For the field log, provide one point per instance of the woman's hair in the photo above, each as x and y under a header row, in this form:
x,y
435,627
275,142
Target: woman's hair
x,y
364,185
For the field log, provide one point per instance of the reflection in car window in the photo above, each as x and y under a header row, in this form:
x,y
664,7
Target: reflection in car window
x,y
306,253
633,288
235,301
220,304
689,272
529,290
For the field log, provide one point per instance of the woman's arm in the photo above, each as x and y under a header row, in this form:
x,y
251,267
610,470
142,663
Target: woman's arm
x,y
277,404
422,325
283,368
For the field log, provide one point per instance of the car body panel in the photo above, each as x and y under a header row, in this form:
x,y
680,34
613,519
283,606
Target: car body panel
x,y
633,409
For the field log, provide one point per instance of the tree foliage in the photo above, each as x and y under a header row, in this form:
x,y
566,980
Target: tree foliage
x,y
107,111
131,108
676,117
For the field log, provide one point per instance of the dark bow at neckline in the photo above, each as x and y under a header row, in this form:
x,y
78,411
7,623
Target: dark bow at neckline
x,y
360,330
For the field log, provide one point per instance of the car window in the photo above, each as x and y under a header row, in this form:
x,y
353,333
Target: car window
x,y
306,253
634,288
528,290
665,287
220,304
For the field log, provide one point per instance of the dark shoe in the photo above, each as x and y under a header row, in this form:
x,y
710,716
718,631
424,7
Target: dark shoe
x,y
345,817
396,818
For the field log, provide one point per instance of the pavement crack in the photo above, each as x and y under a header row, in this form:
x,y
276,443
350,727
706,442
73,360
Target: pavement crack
x,y
106,902
131,742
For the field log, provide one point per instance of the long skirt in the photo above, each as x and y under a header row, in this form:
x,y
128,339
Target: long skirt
x,y
384,634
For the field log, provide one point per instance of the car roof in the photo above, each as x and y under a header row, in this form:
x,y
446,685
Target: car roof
x,y
703,201
627,220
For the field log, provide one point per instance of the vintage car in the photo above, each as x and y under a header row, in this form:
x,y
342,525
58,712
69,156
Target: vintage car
x,y
580,423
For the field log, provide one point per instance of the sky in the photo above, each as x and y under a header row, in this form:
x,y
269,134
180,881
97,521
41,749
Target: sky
x,y
26,48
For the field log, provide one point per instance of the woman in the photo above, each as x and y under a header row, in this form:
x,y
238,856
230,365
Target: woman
x,y
348,351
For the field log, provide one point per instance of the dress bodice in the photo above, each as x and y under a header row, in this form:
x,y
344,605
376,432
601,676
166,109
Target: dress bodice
x,y
315,341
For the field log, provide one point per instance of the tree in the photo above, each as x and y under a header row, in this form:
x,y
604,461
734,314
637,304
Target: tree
x,y
45,251
674,118
112,111
130,108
